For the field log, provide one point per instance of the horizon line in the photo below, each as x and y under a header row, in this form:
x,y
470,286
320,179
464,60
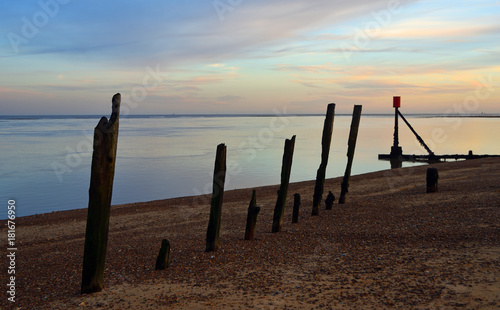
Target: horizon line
x,y
430,115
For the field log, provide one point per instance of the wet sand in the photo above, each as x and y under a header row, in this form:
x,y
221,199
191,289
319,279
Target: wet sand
x,y
391,245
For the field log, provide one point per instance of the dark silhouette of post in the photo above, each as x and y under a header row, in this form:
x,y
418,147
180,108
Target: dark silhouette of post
x,y
325,152
253,211
470,155
217,197
330,199
163,259
432,180
296,207
396,150
353,135
286,168
100,192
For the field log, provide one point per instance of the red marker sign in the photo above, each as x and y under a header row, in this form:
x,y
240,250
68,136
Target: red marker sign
x,y
396,101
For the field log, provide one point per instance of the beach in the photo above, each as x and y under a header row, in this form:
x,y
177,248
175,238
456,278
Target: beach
x,y
391,245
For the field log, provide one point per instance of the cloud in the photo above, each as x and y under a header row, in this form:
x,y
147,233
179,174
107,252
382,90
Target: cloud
x,y
171,33
312,84
270,52
433,29
328,67
227,99
200,80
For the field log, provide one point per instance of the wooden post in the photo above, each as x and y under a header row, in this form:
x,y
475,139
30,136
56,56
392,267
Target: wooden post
x,y
217,197
253,211
432,180
353,135
286,168
470,155
329,201
100,192
325,145
296,207
163,259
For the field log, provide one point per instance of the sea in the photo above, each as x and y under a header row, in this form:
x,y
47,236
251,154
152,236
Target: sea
x,y
46,160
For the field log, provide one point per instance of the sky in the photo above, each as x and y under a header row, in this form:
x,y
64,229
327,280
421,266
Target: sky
x,y
249,56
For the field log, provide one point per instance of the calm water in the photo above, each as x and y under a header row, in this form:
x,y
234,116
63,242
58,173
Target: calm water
x,y
45,161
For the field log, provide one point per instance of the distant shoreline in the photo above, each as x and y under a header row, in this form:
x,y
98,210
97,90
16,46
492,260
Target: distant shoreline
x,y
410,115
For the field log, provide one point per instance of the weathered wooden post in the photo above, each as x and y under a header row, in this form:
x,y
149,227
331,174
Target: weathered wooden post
x,y
325,152
100,192
296,207
163,259
286,168
330,199
432,180
217,197
353,135
253,211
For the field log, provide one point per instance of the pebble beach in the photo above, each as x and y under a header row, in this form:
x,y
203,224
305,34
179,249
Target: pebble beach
x,y
390,246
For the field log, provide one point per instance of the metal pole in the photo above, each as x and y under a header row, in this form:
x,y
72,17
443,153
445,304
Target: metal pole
x,y
431,153
396,128
396,150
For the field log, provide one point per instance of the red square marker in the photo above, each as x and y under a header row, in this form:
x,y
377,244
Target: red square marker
x,y
396,101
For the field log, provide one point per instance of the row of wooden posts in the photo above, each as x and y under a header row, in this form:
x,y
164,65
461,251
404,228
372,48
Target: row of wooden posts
x,y
101,186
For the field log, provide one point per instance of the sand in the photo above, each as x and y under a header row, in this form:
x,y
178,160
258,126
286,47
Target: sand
x,y
392,245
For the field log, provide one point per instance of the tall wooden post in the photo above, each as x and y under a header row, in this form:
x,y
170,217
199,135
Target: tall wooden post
x,y
217,197
100,192
353,135
286,168
325,152
253,211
